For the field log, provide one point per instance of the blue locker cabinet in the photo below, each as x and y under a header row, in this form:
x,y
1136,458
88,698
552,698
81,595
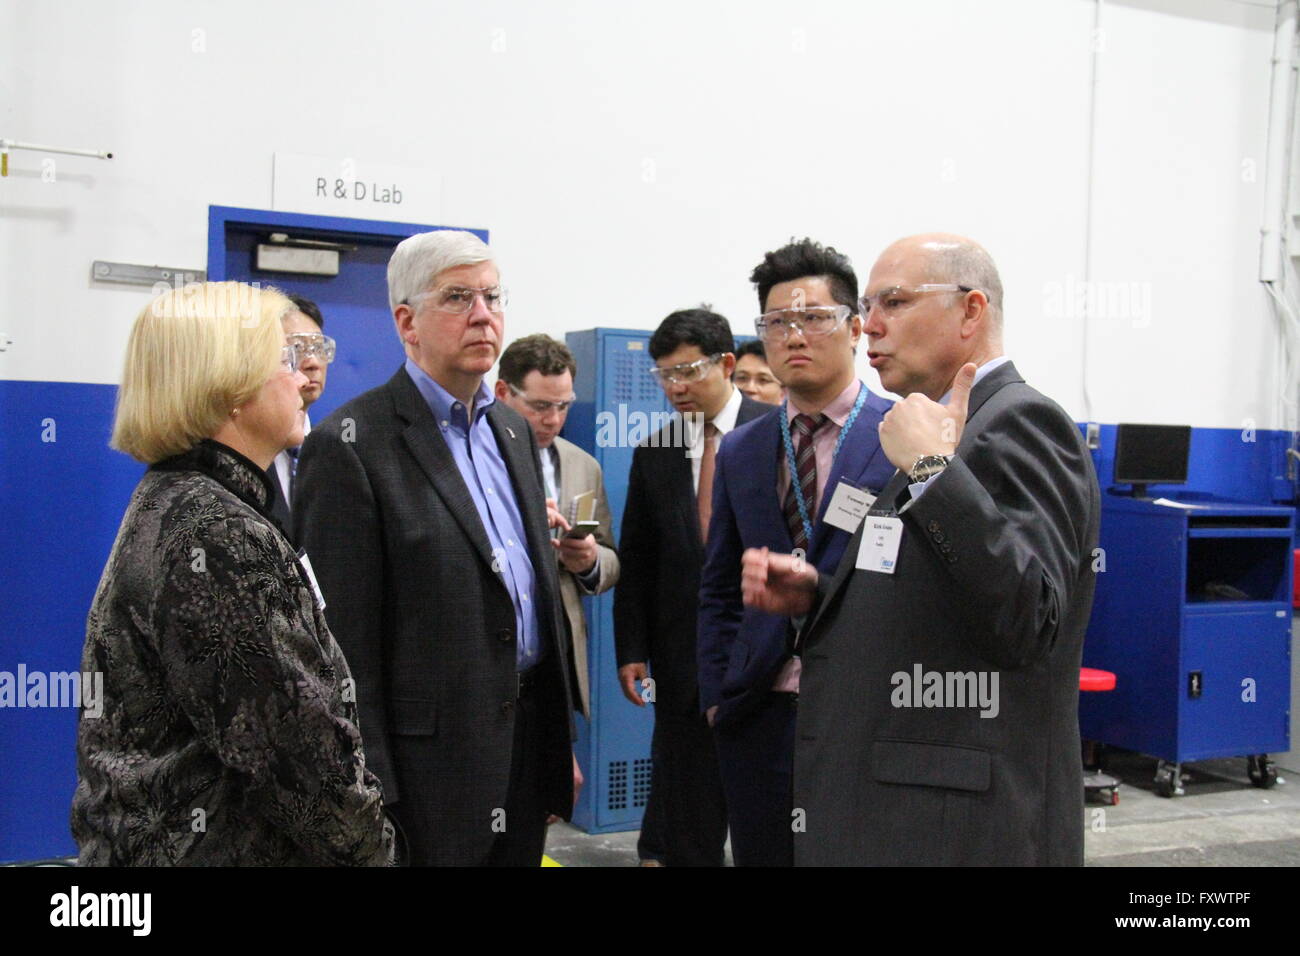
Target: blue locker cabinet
x,y
614,388
1193,615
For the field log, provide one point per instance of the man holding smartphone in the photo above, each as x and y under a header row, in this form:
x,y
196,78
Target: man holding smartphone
x,y
536,380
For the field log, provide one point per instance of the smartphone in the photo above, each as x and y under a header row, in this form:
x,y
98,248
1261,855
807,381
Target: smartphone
x,y
581,529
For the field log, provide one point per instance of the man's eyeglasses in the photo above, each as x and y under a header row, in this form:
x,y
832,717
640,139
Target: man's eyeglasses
x,y
313,344
541,406
289,358
685,373
817,320
761,379
458,300
897,299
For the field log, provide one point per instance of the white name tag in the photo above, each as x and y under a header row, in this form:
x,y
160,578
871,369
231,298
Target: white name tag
x,y
880,540
311,576
848,507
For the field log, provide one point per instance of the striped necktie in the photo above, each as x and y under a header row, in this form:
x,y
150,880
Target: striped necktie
x,y
805,426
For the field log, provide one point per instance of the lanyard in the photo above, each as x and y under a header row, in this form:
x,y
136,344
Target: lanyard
x,y
793,467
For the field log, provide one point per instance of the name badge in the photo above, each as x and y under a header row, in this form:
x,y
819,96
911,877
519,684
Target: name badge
x,y
880,540
848,507
311,576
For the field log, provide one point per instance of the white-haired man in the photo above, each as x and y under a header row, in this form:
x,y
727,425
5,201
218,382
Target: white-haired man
x,y
421,508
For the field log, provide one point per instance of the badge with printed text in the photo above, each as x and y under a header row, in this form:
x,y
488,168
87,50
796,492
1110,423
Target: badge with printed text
x,y
311,576
848,507
881,537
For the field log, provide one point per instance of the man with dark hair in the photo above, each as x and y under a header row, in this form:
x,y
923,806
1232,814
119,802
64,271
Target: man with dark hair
x,y
972,572
824,437
753,376
536,380
303,328
665,524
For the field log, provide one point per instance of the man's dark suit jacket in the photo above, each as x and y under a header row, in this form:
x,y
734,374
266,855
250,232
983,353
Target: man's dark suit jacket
x,y
426,622
661,552
994,574
741,650
279,504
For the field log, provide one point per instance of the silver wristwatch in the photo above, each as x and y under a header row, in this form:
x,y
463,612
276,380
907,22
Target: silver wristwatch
x,y
927,466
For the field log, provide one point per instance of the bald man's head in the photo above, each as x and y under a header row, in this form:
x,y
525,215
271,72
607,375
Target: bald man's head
x,y
935,303
956,259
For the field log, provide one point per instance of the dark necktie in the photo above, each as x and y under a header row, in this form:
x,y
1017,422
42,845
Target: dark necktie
x,y
805,426
292,452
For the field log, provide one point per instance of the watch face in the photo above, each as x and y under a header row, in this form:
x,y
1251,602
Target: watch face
x,y
927,467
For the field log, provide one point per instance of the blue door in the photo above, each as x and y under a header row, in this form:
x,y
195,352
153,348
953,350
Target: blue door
x,y
354,303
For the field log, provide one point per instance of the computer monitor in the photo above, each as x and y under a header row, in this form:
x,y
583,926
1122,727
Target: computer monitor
x,y
1151,455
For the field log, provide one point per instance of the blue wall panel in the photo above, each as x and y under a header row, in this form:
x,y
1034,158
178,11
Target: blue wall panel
x,y
1229,463
62,502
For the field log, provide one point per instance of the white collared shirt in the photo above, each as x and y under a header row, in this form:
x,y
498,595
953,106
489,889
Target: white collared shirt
x,y
283,466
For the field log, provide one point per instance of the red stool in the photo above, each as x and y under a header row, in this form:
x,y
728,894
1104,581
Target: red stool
x,y
1092,679
1094,780
1295,586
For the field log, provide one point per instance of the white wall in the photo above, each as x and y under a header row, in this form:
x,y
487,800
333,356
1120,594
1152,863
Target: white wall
x,y
630,159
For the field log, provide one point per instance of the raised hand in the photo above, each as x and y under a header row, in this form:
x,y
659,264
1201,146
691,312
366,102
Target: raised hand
x,y
918,426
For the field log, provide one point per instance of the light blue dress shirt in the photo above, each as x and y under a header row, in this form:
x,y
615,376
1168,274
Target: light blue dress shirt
x,y
474,448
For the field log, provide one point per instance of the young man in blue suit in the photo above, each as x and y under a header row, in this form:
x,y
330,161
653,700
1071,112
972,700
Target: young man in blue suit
x,y
824,438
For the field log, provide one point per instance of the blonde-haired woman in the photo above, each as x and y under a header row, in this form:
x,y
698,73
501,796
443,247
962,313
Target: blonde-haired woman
x,y
229,730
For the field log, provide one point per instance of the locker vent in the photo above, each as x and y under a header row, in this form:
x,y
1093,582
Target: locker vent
x,y
640,781
617,788
632,384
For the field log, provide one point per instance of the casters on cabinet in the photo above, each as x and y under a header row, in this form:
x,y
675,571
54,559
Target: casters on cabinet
x,y
1261,771
1169,782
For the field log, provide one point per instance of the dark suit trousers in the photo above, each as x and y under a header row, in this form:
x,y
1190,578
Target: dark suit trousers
x,y
524,838
686,782
757,760
651,841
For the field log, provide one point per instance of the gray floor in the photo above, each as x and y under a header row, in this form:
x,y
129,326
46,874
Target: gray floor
x,y
1221,820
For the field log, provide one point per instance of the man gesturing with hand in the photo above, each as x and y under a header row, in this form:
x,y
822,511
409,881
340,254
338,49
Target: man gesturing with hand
x,y
938,710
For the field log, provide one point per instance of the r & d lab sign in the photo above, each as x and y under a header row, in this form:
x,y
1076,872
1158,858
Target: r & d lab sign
x,y
329,186
376,192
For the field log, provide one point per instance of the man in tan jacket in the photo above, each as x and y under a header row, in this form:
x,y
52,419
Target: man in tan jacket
x,y
536,380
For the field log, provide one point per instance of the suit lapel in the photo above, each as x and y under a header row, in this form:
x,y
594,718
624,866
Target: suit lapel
x,y
566,487
848,563
759,477
429,449
860,449
679,477
1004,374
515,447
757,480
575,473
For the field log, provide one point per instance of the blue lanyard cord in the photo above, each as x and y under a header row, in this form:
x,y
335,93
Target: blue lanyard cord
x,y
793,467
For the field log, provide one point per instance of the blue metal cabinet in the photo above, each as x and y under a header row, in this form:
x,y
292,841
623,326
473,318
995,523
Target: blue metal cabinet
x,y
616,401
1193,615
